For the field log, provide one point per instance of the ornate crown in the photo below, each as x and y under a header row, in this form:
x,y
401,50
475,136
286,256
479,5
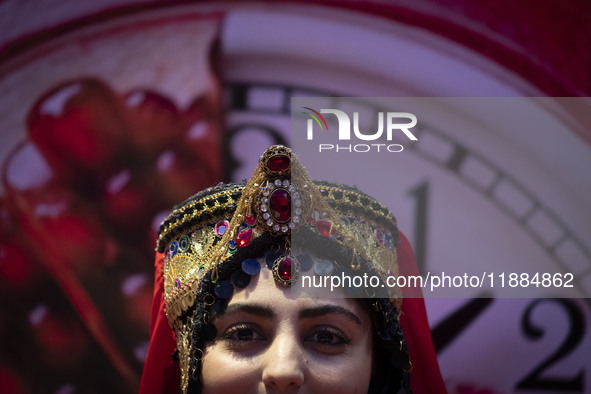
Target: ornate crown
x,y
279,201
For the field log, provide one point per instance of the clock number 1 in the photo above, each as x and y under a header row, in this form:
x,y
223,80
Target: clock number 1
x,y
535,379
421,196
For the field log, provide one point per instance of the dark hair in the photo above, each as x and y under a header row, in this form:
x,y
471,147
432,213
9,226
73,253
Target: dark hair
x,y
390,351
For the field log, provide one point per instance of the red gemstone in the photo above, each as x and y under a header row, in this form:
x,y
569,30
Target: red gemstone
x,y
324,228
250,219
284,269
243,237
278,163
280,205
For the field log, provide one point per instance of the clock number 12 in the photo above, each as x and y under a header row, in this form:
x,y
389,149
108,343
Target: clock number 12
x,y
535,379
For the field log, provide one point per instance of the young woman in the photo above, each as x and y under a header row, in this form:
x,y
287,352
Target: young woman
x,y
245,277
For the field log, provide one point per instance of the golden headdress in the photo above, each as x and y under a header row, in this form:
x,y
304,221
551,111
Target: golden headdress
x,y
209,241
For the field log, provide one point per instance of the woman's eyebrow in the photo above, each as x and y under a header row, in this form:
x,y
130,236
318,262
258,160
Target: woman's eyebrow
x,y
252,309
322,310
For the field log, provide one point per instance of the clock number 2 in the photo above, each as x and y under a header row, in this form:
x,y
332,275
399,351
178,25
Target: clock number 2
x,y
535,379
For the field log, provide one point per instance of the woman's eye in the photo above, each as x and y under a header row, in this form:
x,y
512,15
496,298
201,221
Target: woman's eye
x,y
243,333
329,336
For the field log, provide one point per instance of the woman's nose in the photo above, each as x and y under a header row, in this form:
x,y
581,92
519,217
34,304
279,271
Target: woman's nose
x,y
284,367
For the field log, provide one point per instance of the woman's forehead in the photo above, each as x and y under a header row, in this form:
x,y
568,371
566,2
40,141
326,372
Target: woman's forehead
x,y
263,291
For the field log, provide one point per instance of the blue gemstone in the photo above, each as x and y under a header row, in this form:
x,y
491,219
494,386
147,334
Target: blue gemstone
x,y
232,246
240,279
220,305
323,267
306,262
224,289
173,248
388,241
251,266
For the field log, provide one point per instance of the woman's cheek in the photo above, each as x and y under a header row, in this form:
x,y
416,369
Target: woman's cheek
x,y
224,372
346,373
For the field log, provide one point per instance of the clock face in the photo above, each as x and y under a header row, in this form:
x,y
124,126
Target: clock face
x,y
491,185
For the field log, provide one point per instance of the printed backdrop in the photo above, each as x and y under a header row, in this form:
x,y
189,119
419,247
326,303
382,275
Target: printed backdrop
x,y
110,114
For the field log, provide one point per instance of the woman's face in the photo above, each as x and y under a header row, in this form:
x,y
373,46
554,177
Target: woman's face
x,y
268,342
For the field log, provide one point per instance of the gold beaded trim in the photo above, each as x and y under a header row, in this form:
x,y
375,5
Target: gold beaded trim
x,y
186,217
382,212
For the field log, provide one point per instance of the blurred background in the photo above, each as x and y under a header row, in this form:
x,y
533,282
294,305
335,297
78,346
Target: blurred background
x,y
113,112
